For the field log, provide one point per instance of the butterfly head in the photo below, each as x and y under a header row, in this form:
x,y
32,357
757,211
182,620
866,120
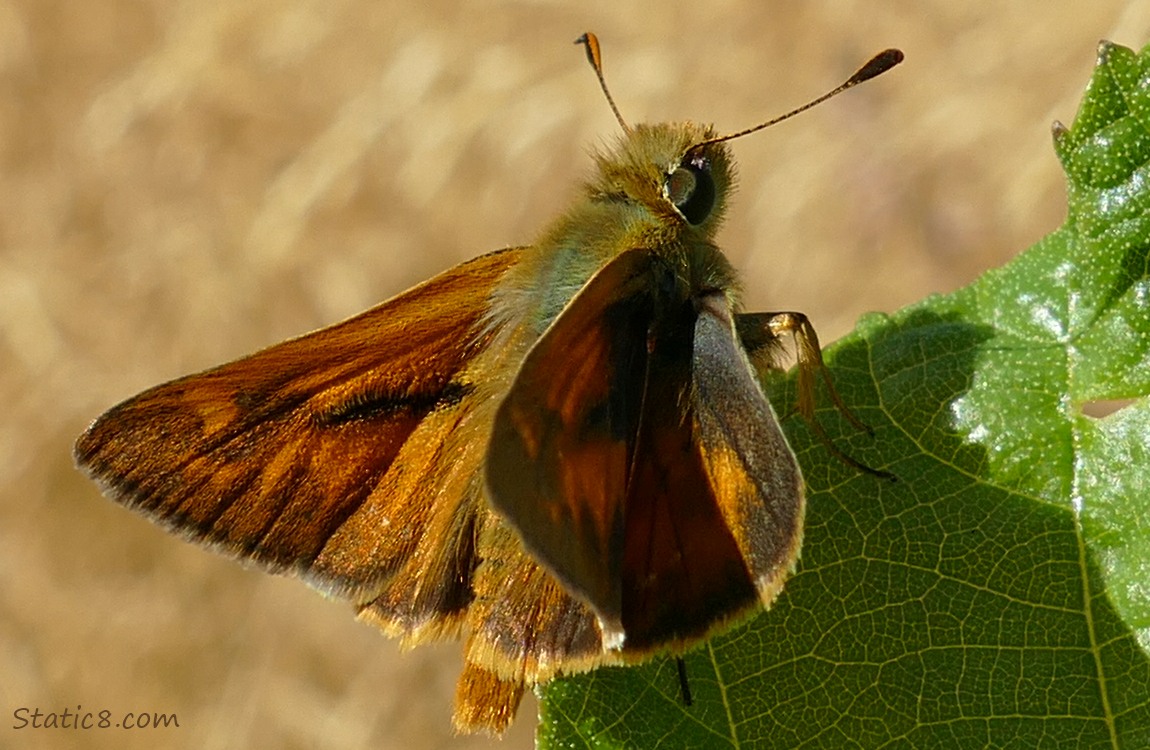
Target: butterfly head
x,y
662,177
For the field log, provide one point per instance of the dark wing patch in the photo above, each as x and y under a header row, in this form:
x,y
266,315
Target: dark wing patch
x,y
683,571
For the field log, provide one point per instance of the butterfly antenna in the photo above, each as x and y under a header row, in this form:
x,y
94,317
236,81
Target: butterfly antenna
x,y
877,65
590,43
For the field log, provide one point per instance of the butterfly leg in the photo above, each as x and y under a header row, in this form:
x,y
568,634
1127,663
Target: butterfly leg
x,y
684,684
760,334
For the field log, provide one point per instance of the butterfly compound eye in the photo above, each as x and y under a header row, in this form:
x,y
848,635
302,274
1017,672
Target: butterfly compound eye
x,y
692,190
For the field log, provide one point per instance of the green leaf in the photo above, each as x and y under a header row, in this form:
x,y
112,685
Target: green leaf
x,y
999,593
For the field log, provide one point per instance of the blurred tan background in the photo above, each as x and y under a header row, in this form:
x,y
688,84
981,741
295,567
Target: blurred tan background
x,y
183,182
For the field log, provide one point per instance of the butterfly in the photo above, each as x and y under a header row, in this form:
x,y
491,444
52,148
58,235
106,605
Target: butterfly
x,y
560,453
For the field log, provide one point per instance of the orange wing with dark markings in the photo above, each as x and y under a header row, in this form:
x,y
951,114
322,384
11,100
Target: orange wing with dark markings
x,y
266,457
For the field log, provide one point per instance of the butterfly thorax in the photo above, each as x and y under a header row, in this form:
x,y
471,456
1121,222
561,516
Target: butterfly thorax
x,y
656,191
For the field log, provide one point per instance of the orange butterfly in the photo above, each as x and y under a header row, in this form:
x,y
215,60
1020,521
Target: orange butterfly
x,y
560,452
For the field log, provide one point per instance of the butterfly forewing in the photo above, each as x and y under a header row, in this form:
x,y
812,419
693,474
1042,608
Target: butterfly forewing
x,y
748,461
563,438
266,457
